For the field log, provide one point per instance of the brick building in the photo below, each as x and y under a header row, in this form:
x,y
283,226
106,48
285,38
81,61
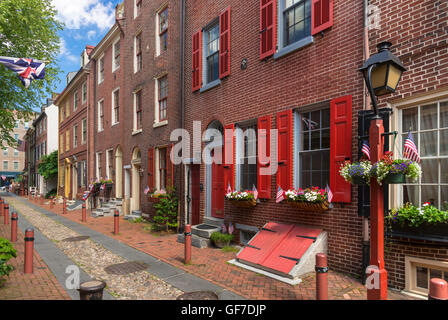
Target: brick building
x,y
418,31
73,104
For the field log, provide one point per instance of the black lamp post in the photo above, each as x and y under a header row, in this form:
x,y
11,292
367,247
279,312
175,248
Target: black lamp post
x,y
382,73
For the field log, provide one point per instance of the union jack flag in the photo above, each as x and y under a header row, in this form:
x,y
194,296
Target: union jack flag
x,y
280,196
410,149
27,69
366,149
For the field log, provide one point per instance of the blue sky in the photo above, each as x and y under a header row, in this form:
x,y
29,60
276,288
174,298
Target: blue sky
x,y
86,23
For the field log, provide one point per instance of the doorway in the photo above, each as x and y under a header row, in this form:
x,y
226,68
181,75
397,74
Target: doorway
x,y
118,173
135,190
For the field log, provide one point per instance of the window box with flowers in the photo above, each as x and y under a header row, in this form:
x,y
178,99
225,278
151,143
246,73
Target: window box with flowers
x,y
425,221
309,199
156,195
391,171
357,172
242,199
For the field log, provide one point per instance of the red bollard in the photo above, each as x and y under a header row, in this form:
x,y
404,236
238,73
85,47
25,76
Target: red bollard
x,y
116,222
6,214
187,243
14,219
64,207
2,207
321,277
41,199
29,248
51,203
438,289
21,192
84,216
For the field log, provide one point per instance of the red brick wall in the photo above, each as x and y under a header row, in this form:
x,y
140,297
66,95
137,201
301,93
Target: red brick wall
x,y
417,30
322,71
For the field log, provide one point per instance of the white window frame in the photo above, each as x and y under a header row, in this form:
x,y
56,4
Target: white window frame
x,y
108,173
14,165
135,51
84,92
83,125
157,122
5,151
75,133
411,264
100,79
7,165
75,100
240,133
100,125
97,164
114,68
134,125
209,84
16,153
135,8
157,36
114,122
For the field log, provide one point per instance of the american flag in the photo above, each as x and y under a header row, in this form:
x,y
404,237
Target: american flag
x,y
146,190
27,69
255,192
230,227
103,186
280,196
410,149
229,189
366,149
329,193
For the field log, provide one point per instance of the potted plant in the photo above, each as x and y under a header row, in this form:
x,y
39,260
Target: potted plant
x,y
156,195
426,220
242,199
309,199
396,171
357,172
220,239
7,252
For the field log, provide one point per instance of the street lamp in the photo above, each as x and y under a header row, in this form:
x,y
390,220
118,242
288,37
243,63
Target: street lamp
x,y
382,73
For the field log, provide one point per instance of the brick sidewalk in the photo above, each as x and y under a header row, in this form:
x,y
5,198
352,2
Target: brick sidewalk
x,y
211,264
40,285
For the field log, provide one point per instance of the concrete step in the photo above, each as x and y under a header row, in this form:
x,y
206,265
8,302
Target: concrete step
x,y
136,213
131,217
104,210
204,230
213,221
196,241
96,214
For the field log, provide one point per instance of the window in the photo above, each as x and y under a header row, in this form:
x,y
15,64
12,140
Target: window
x,y
296,20
212,53
138,110
75,101
44,148
16,136
116,55
17,124
162,168
137,8
419,273
115,106
98,165
67,110
5,165
163,96
61,143
138,62
163,30
26,125
84,92
16,165
429,127
314,148
67,140
75,136
84,131
100,115
247,154
101,70
16,153
110,164
84,173
5,151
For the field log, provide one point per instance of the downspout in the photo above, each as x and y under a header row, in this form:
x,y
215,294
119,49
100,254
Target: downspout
x,y
182,103
367,102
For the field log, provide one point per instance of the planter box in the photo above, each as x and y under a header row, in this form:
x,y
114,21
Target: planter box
x,y
244,203
307,206
396,178
425,230
154,200
358,181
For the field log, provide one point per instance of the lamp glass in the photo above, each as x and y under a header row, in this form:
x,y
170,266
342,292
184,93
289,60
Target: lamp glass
x,y
379,80
394,77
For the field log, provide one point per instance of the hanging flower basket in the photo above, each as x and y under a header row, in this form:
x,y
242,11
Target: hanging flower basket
x,y
249,203
395,178
391,171
309,206
357,173
359,181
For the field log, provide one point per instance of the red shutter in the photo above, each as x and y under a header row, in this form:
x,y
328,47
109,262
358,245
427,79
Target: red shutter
x,y
268,30
264,153
197,61
229,156
321,15
151,183
284,121
169,167
224,43
340,146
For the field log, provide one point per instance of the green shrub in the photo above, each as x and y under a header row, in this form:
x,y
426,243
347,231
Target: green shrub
x,y
166,211
414,216
221,237
51,194
7,252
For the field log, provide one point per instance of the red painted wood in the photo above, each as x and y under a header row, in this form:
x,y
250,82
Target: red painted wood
x,y
195,194
197,61
218,189
169,167
284,172
264,153
268,28
151,175
224,40
340,146
321,15
229,156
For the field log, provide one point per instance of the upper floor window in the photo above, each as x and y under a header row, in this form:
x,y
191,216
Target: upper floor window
x,y
75,101
16,136
17,124
248,169
138,61
26,125
16,165
84,131
163,30
163,97
67,110
101,70
212,53
5,151
67,140
16,153
75,136
296,20
84,92
137,8
116,55
5,165
138,110
101,115
116,106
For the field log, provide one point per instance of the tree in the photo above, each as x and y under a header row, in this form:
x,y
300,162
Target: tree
x,y
28,29
48,166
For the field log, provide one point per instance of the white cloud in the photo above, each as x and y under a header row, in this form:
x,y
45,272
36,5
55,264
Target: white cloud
x,y
83,13
91,34
65,53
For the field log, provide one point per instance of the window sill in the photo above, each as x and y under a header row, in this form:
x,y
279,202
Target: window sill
x,y
160,124
293,47
117,68
114,124
100,130
210,85
136,132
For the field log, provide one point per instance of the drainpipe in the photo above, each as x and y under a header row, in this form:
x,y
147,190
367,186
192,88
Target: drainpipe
x,y
182,99
367,102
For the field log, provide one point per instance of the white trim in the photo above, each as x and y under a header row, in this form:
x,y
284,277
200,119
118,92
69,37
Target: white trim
x,y
113,120
157,36
108,174
135,51
160,124
134,112
82,130
99,129
75,99
99,70
75,146
82,92
97,162
113,55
